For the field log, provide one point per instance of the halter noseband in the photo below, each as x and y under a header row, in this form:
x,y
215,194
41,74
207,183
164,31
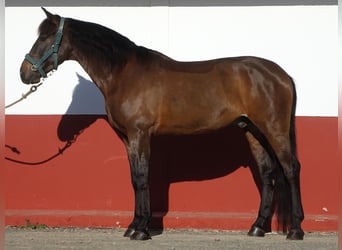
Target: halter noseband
x,y
37,64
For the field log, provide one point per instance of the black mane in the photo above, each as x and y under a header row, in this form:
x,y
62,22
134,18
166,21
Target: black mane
x,y
105,47
101,43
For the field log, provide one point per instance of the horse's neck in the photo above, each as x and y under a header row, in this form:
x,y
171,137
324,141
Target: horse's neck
x,y
102,74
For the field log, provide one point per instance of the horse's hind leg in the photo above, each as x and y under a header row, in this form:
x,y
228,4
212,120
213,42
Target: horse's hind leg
x,y
292,172
279,143
289,204
266,168
291,169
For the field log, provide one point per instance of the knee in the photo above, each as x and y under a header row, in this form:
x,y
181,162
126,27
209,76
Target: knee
x,y
140,183
292,174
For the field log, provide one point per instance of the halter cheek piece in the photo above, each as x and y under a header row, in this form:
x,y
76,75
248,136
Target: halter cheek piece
x,y
53,51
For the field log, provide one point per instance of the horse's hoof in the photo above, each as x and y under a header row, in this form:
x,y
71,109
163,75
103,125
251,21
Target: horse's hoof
x,y
295,234
256,231
140,235
129,232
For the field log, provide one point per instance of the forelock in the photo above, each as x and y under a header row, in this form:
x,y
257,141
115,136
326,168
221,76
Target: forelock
x,y
46,28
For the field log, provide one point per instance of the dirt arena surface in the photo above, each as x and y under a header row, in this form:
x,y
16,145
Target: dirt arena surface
x,y
102,239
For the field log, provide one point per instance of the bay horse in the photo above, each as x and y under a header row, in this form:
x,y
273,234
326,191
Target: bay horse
x,y
147,93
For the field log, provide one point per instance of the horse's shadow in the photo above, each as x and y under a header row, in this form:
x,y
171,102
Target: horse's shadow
x,y
173,158
86,96
196,158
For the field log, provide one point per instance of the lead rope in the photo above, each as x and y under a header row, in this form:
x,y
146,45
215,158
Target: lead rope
x,y
32,89
23,96
15,150
59,152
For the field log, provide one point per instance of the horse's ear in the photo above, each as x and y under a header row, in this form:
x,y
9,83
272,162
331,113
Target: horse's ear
x,y
50,16
47,13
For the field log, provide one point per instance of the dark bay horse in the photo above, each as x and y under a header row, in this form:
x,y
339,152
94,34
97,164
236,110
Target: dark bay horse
x,y
147,93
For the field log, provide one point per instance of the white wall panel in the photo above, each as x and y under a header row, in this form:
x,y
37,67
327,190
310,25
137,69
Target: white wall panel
x,y
302,39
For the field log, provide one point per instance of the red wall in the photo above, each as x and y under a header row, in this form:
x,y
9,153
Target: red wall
x,y
196,181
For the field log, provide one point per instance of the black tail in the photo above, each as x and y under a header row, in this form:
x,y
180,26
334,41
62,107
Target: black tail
x,y
282,200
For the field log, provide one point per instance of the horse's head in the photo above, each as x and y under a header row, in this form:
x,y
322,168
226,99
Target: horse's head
x,y
47,52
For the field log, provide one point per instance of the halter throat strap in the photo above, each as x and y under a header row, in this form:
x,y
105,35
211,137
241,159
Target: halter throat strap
x,y
53,51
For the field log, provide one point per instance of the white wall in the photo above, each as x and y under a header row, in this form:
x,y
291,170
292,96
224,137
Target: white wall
x,y
302,39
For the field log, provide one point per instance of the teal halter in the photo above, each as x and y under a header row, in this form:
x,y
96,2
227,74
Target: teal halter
x,y
53,51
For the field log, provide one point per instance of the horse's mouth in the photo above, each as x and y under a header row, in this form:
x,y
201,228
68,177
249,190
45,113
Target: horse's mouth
x,y
29,79
34,81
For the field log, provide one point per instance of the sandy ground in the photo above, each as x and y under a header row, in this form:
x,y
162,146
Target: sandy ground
x,y
86,238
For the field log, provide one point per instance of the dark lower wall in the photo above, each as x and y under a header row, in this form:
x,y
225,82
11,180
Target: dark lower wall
x,y
202,181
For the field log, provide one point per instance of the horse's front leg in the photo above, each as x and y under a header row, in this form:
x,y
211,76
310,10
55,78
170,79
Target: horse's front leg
x,y
138,149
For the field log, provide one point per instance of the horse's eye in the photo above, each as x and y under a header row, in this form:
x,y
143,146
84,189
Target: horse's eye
x,y
44,36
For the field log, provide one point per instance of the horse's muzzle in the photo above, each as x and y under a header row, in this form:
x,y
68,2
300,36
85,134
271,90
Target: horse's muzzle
x,y
29,75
